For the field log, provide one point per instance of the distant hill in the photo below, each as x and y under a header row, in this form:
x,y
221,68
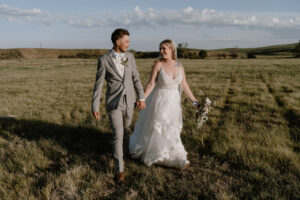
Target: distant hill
x,y
267,50
31,53
40,53
274,50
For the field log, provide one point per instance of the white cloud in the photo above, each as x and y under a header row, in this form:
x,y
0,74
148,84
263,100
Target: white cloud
x,y
139,12
10,11
190,17
151,18
34,15
188,10
86,23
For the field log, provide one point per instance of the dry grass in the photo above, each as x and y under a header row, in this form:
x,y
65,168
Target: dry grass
x,y
36,53
54,149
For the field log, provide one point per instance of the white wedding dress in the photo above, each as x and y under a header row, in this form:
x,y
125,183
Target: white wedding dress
x,y
156,137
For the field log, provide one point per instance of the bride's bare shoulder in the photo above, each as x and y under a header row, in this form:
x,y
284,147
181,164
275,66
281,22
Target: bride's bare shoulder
x,y
157,65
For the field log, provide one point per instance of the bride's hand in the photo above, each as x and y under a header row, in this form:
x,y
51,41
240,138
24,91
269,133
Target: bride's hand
x,y
196,103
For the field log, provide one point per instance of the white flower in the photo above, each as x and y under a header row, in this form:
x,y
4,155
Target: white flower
x,y
202,112
124,61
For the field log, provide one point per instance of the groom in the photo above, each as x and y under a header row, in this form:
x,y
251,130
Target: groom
x,y
119,70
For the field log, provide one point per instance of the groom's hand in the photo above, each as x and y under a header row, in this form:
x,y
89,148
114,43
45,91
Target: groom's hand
x,y
96,115
141,105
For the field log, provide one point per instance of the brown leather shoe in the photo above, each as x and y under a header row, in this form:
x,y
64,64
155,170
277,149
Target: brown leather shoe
x,y
121,177
186,165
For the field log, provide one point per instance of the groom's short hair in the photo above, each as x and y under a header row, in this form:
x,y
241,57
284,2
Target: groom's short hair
x,y
117,34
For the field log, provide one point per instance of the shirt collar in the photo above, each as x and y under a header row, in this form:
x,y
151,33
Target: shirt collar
x,y
117,55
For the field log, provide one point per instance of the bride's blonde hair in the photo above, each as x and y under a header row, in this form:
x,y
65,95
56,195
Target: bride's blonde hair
x,y
171,45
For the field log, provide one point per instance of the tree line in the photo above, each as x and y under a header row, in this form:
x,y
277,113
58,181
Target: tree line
x,y
184,52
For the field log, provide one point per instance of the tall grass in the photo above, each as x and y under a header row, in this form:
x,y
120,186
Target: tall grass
x,y
54,149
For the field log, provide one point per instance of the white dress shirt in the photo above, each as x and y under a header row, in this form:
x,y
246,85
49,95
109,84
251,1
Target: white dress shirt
x,y
117,57
117,61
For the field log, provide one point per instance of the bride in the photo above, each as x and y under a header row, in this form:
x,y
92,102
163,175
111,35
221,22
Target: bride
x,y
156,137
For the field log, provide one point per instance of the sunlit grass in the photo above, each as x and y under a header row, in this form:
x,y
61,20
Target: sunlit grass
x,y
55,149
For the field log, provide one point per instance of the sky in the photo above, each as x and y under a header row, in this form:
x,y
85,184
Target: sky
x,y
88,24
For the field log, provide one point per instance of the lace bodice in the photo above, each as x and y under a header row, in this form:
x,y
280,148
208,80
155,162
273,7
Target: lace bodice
x,y
164,81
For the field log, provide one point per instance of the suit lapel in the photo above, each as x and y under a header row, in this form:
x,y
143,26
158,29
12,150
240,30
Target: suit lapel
x,y
126,66
112,64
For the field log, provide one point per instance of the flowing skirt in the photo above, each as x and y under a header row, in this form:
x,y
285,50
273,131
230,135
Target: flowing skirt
x,y
156,137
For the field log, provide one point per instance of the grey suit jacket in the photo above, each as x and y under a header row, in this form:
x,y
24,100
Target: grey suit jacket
x,y
116,85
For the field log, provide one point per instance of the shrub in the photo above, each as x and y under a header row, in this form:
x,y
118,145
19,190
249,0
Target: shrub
x,y
65,56
180,52
133,51
190,55
150,54
233,55
251,55
297,50
82,55
139,54
202,54
220,55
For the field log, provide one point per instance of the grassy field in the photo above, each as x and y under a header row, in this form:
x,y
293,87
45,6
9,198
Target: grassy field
x,y
55,149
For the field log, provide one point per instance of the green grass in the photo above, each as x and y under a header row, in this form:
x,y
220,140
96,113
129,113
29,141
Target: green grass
x,y
55,149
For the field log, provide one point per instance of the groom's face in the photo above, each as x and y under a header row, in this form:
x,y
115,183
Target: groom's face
x,y
123,43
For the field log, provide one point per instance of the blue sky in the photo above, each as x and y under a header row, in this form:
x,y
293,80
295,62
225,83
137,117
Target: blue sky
x,y
202,24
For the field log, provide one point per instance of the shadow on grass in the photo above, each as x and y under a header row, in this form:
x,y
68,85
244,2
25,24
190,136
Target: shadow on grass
x,y
84,145
294,127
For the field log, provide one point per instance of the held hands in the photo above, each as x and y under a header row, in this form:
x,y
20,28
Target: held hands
x,y
141,105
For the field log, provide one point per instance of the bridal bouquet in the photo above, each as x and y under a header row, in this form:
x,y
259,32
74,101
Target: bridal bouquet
x,y
202,112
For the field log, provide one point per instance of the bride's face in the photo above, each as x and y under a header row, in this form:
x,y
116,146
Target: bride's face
x,y
165,51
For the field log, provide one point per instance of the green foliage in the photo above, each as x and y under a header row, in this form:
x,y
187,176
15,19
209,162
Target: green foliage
x,y
147,54
221,55
80,55
190,55
286,49
180,52
234,53
133,51
187,53
65,56
297,50
251,55
202,54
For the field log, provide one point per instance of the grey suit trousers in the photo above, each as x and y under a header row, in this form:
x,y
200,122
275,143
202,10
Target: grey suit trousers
x,y
120,119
